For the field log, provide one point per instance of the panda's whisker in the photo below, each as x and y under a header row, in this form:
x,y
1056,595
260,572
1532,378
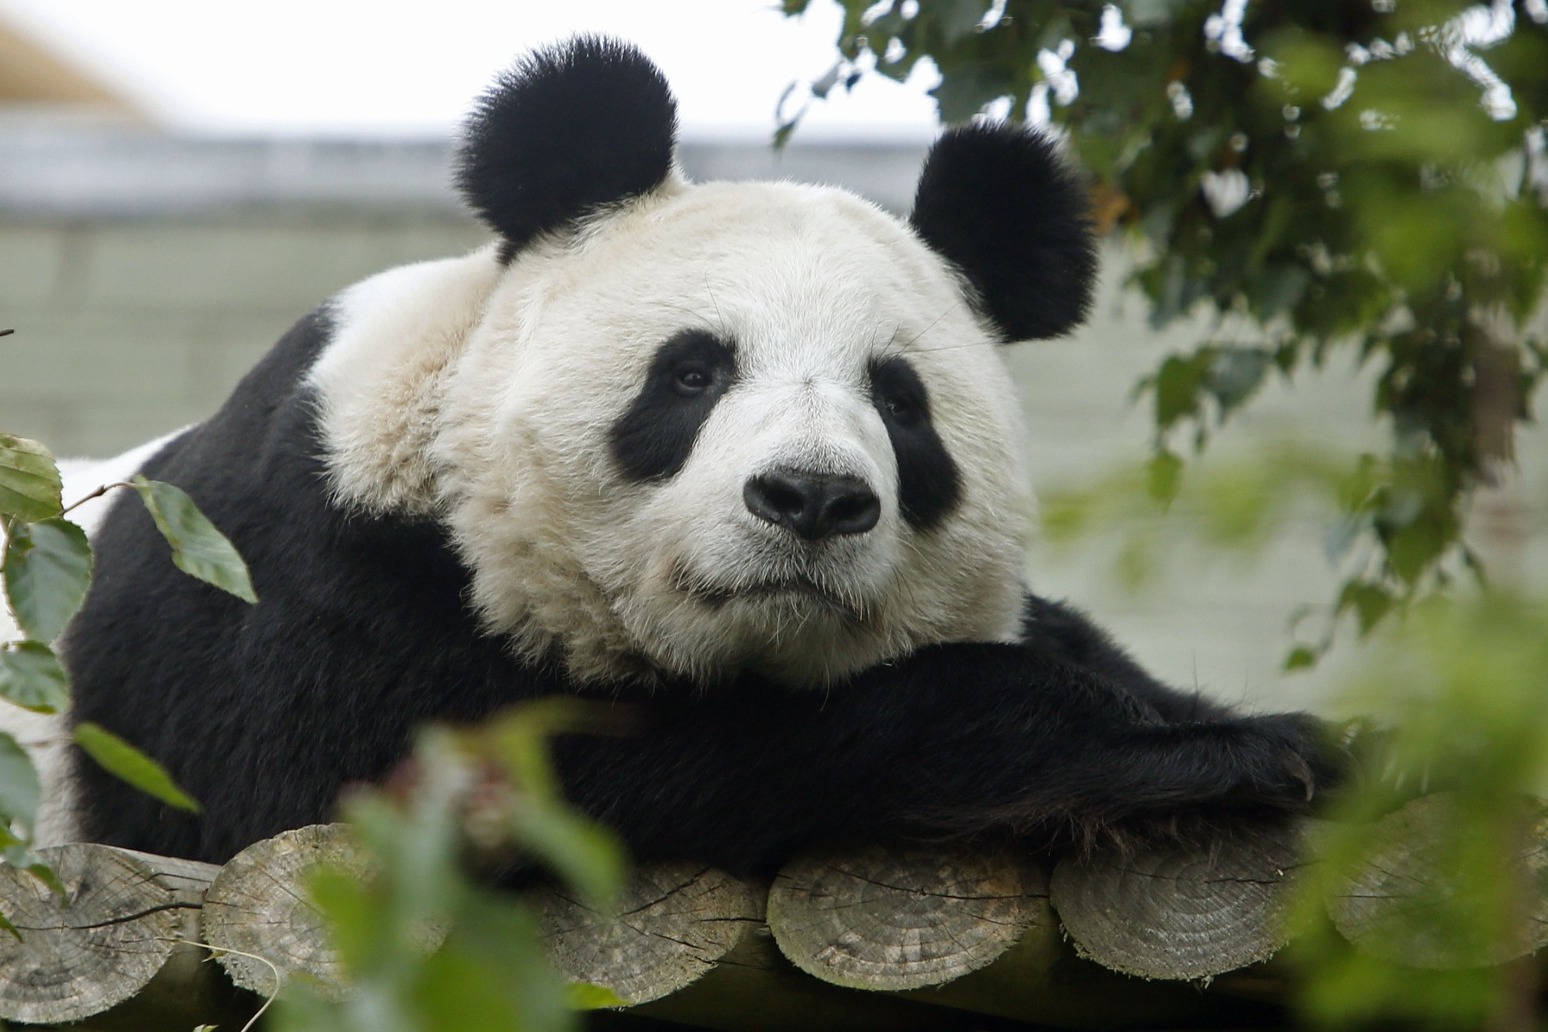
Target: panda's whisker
x,y
891,348
720,317
929,326
936,349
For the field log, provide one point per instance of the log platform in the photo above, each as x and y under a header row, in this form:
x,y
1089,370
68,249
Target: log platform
x,y
903,938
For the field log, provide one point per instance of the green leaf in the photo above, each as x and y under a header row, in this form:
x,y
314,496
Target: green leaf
x,y
587,856
1164,477
359,926
493,973
130,765
1234,374
47,572
1370,603
198,549
20,789
1302,657
961,19
1177,388
583,996
30,488
32,678
962,95
19,854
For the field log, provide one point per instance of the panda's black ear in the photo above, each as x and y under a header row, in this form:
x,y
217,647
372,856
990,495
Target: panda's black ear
x,y
1002,205
566,130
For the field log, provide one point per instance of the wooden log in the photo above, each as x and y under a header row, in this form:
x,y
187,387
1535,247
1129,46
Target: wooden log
x,y
673,923
1041,980
903,917
1394,902
117,927
1175,910
754,988
958,938
966,928
258,907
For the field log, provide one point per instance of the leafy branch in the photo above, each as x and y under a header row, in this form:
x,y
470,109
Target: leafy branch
x,y
1365,178
45,571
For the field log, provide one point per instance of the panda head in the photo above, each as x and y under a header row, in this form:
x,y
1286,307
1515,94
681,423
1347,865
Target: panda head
x,y
701,429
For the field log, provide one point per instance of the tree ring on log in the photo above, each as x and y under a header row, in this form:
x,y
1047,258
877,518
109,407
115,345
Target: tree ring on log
x,y
1182,910
99,945
1425,888
902,917
672,923
258,904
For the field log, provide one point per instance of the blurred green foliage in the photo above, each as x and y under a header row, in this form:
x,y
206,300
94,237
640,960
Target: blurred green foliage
x,y
1463,686
425,946
1355,175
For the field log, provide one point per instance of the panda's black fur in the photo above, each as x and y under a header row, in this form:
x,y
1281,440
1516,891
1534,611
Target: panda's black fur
x,y
364,632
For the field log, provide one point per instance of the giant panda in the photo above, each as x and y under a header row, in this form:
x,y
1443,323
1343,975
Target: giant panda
x,y
740,459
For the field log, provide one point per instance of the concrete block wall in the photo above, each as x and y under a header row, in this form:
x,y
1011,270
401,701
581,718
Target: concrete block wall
x,y
126,329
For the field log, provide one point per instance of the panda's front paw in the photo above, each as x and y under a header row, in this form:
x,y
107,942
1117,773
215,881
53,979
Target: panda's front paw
x,y
1291,759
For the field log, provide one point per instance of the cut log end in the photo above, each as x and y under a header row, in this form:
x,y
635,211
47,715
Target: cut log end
x,y
1183,911
1421,894
258,916
882,918
116,927
671,925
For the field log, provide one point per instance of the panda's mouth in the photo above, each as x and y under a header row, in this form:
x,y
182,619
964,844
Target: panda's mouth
x,y
803,590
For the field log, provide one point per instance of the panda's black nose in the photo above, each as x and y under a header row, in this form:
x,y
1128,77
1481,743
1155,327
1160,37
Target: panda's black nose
x,y
812,504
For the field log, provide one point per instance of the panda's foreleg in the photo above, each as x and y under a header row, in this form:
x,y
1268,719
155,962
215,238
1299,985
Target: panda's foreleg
x,y
956,739
1026,740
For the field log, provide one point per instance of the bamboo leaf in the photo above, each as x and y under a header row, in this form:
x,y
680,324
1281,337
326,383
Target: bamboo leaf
x,y
30,488
198,549
32,678
130,765
47,572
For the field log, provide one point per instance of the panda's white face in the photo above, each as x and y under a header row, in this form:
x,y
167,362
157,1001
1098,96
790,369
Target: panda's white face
x,y
699,430
731,426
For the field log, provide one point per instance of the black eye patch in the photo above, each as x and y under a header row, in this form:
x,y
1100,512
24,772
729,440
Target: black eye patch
x,y
929,485
653,439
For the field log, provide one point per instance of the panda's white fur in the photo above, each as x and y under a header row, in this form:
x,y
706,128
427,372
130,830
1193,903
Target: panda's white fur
x,y
485,393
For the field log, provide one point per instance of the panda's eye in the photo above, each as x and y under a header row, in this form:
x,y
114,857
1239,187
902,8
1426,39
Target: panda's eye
x,y
692,378
899,394
903,407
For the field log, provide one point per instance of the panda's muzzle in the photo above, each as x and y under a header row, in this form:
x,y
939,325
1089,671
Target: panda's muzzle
x,y
812,505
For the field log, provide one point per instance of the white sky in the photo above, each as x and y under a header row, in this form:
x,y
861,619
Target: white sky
x,y
353,66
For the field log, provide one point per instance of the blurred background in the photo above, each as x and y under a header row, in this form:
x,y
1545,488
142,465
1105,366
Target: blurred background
x,y
180,181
